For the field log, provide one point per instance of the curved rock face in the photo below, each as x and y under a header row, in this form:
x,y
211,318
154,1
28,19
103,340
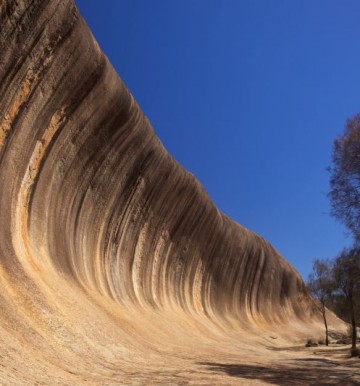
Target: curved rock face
x,y
109,249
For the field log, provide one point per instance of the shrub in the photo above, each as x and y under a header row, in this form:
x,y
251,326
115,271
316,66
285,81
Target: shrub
x,y
355,352
311,343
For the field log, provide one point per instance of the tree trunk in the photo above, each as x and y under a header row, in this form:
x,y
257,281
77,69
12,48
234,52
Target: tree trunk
x,y
326,326
353,324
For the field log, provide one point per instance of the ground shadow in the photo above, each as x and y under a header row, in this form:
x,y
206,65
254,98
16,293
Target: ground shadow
x,y
315,350
305,371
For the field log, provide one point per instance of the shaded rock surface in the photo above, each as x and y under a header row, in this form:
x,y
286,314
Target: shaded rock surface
x,y
114,261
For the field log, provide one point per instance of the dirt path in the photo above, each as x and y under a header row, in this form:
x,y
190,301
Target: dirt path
x,y
295,366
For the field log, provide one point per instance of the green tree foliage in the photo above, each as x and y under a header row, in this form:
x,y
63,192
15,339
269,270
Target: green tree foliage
x,y
345,177
336,285
346,275
321,285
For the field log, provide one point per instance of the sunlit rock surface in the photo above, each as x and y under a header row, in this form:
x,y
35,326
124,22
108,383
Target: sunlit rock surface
x,y
116,267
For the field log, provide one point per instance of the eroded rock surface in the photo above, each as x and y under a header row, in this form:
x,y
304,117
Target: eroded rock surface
x,y
115,264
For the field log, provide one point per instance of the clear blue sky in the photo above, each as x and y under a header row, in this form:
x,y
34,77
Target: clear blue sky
x,y
248,96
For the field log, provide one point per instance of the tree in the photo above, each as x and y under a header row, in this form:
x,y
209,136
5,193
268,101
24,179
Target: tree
x,y
321,285
346,273
345,177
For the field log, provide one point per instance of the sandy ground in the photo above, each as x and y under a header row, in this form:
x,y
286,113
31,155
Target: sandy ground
x,y
294,365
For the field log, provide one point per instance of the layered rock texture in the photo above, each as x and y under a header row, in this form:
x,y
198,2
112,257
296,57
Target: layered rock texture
x,y
116,267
